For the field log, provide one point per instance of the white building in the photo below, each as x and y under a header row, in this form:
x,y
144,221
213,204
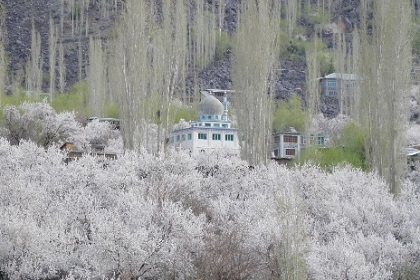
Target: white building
x,y
213,131
289,144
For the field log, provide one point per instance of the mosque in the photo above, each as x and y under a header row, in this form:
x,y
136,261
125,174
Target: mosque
x,y
212,132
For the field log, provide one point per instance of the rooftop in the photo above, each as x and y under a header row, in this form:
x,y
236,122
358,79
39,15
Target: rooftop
x,y
342,76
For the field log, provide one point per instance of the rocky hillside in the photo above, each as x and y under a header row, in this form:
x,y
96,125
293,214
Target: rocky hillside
x,y
100,17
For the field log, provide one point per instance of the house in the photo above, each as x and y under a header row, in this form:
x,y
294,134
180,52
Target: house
x,y
213,131
288,144
115,123
337,84
413,156
342,87
74,153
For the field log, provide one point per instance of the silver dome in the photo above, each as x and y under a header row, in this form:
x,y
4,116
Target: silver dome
x,y
210,105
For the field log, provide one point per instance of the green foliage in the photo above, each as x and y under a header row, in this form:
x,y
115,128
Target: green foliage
x,y
349,149
223,43
416,36
17,98
291,48
315,15
187,114
325,56
111,111
289,114
75,100
330,157
14,99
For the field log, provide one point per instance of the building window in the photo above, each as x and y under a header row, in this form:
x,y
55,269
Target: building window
x,y
224,125
178,138
208,124
320,140
189,136
202,136
290,139
332,84
209,117
276,152
332,93
229,137
290,152
183,137
216,125
216,137
216,117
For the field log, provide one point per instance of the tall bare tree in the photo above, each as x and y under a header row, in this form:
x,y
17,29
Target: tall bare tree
x,y
53,56
385,80
150,56
96,77
312,79
3,60
34,66
292,14
254,51
61,68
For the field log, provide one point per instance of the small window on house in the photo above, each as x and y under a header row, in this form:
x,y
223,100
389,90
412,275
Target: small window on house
x,y
208,124
209,117
276,152
290,139
178,137
224,125
332,84
216,125
183,137
216,117
332,93
202,136
189,136
216,137
229,137
290,152
320,140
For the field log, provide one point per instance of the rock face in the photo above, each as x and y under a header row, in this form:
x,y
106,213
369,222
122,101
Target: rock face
x,y
21,14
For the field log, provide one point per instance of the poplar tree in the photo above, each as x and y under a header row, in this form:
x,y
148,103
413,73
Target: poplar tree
x,y
292,14
34,65
169,63
3,60
253,61
61,67
52,53
312,79
130,71
385,65
150,56
96,77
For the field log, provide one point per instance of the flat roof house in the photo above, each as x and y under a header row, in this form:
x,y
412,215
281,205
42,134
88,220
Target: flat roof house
x,y
342,87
